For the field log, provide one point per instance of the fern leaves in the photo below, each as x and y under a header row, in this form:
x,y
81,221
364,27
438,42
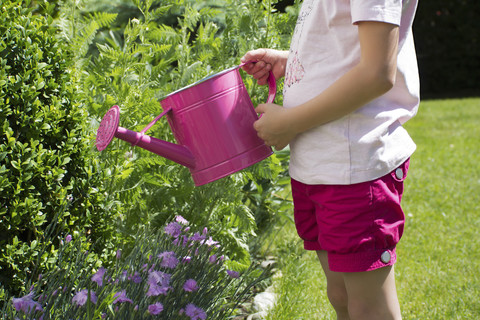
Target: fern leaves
x,y
81,31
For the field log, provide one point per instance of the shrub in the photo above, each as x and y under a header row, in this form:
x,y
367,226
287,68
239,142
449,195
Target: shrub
x,y
47,172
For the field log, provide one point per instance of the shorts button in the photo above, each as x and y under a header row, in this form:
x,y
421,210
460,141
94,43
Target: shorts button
x,y
385,257
399,173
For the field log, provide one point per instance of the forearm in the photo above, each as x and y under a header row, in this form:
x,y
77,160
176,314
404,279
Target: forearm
x,y
350,92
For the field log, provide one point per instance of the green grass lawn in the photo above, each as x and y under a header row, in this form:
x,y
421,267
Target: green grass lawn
x,y
439,255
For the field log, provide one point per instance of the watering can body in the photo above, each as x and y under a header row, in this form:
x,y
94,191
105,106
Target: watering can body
x,y
212,122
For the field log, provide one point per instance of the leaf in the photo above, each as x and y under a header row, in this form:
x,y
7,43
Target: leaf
x,y
190,70
40,85
15,164
104,19
126,173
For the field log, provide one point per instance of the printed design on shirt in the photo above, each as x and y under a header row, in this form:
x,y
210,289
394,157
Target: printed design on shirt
x,y
295,70
305,11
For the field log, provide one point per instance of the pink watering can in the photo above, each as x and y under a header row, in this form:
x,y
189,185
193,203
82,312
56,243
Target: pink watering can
x,y
212,122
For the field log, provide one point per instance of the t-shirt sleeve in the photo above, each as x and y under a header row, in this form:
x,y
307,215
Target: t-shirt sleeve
x,y
389,11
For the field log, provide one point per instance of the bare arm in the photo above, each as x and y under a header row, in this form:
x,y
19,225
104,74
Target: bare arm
x,y
373,76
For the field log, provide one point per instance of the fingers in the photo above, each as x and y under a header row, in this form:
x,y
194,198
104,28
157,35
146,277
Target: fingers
x,y
263,72
272,126
260,70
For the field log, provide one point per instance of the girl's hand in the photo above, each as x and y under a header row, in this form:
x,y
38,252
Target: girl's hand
x,y
274,126
267,60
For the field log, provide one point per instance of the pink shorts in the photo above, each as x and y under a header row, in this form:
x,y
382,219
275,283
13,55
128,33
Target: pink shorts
x,y
358,225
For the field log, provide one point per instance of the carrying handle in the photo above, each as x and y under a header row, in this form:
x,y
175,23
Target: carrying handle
x,y
272,83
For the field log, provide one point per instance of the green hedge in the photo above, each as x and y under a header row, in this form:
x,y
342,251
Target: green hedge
x,y
47,174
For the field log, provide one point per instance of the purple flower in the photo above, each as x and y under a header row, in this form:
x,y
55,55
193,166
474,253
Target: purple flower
x,y
26,304
42,297
194,312
168,259
159,277
68,238
155,308
159,283
156,290
210,242
212,259
98,276
233,274
173,229
135,278
119,254
190,285
187,259
121,297
82,296
197,237
184,243
181,220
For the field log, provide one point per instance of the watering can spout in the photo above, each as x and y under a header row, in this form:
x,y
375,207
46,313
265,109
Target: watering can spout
x,y
109,128
171,151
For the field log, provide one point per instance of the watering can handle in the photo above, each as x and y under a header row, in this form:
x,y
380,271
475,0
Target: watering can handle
x,y
272,83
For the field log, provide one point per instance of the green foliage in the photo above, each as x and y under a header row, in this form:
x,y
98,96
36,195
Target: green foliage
x,y
154,55
46,173
58,78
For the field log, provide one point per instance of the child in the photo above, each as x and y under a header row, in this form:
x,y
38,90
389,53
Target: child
x,y
351,81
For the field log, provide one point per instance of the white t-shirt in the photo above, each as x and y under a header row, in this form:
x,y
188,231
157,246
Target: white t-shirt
x,y
371,141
